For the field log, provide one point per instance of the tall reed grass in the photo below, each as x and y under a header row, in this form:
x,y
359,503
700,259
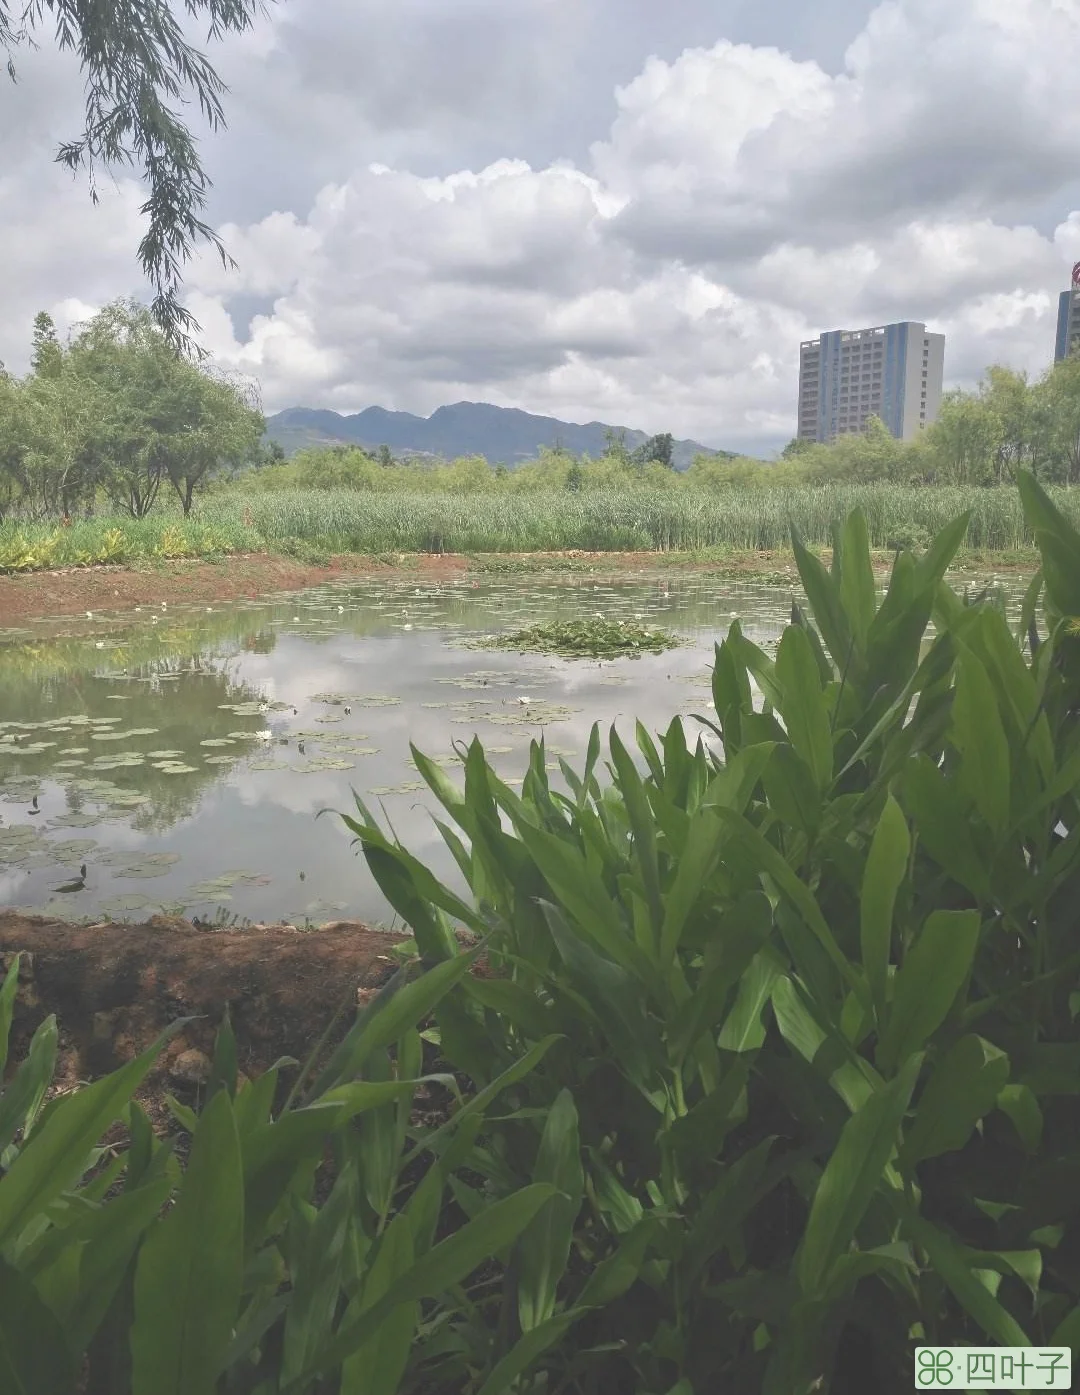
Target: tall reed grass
x,y
680,519
684,518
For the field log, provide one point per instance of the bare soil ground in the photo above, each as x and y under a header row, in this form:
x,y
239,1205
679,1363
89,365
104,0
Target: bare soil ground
x,y
37,595
115,987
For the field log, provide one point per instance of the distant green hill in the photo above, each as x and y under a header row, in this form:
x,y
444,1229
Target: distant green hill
x,y
467,428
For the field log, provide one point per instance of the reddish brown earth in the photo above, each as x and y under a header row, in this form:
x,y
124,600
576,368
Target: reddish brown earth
x,y
115,987
34,595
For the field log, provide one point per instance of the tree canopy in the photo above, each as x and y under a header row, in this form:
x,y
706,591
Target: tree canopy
x,y
118,412
136,62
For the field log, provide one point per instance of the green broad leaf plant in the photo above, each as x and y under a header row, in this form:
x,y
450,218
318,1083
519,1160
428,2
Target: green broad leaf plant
x,y
760,1065
813,977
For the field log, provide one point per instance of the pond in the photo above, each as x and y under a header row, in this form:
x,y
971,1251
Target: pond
x,y
181,754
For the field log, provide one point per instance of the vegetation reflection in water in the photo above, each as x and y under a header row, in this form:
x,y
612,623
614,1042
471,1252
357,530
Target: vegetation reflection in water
x,y
181,754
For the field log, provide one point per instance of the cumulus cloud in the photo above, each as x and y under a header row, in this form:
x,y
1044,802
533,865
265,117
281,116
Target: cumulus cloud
x,y
736,200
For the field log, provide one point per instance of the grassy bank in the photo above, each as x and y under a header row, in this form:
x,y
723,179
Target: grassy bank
x,y
314,523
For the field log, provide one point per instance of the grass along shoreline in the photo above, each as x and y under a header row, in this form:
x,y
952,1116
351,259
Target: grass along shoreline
x,y
706,525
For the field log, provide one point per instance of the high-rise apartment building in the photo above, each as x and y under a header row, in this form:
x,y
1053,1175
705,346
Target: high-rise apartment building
x,y
893,372
1068,327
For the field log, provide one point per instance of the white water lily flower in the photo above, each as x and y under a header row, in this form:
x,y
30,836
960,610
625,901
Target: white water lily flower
x,y
406,627
100,644
265,735
89,615
524,701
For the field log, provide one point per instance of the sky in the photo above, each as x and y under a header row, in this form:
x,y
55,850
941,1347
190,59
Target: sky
x,y
616,210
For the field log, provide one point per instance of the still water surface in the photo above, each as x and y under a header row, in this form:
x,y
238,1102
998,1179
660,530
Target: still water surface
x,y
183,753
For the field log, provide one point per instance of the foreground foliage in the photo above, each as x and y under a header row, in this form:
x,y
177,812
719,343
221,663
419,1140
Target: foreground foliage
x,y
774,1068
817,998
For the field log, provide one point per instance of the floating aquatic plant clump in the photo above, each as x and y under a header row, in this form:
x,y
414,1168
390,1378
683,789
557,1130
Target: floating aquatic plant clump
x,y
592,639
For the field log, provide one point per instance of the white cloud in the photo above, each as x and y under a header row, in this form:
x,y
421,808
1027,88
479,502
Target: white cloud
x,y
739,201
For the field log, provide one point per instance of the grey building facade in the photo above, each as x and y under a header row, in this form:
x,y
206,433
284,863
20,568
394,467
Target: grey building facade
x,y
1068,325
893,371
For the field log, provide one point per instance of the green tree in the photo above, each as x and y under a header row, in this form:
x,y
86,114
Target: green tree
x,y
164,420
615,447
1061,398
1007,397
47,357
205,423
966,438
137,63
874,454
658,448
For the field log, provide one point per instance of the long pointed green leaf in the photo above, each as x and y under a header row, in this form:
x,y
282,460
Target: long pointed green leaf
x,y
773,864
964,1085
531,1345
190,1269
642,827
57,1151
377,1366
35,1358
851,1177
931,976
443,1266
804,711
821,592
979,735
949,1263
857,589
544,1246
886,866
7,1005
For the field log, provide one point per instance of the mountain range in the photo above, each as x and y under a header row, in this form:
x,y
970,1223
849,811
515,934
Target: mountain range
x,y
467,428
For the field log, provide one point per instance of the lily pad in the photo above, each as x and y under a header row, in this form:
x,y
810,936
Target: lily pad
x,y
324,763
73,848
130,901
143,870
75,821
218,760
169,767
217,741
267,764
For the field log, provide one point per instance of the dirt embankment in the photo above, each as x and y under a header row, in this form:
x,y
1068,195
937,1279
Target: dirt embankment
x,y
37,595
115,987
